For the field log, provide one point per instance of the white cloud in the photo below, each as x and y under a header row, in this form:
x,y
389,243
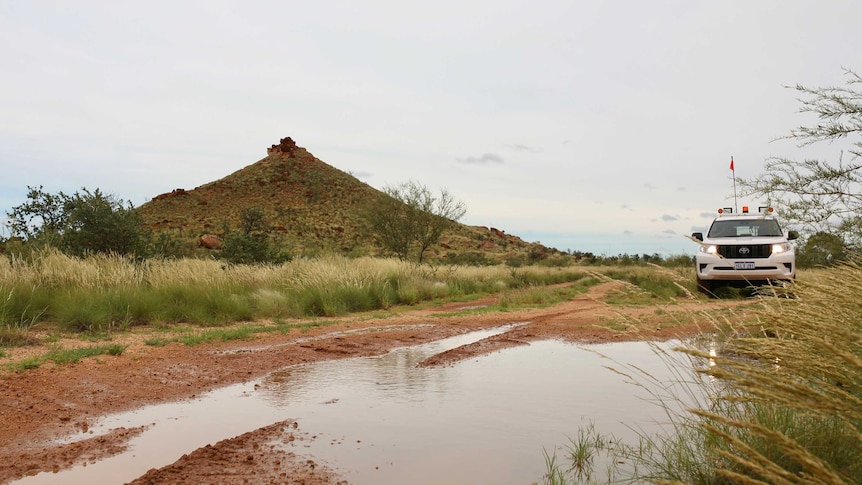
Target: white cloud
x,y
484,158
523,148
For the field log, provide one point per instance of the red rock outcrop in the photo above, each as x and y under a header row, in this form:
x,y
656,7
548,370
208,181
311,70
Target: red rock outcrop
x,y
170,194
285,145
210,241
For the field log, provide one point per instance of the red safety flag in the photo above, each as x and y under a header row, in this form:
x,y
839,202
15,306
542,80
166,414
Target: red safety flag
x,y
731,164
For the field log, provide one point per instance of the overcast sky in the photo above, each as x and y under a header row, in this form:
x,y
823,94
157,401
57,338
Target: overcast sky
x,y
584,125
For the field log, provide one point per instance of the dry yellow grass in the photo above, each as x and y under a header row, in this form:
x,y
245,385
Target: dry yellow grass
x,y
109,291
795,413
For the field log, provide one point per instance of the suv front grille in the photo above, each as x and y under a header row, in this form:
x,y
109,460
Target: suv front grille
x,y
746,251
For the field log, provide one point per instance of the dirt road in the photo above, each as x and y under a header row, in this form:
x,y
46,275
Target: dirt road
x,y
52,401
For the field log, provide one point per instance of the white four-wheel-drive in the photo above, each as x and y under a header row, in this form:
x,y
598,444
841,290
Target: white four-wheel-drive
x,y
745,249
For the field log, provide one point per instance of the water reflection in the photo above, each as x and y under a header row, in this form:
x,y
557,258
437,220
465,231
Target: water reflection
x,y
392,376
383,420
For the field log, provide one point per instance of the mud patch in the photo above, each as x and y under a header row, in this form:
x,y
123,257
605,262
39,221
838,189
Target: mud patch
x,y
482,347
68,455
260,456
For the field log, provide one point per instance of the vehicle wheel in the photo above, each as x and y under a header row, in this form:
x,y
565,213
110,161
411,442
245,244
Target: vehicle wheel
x,y
705,287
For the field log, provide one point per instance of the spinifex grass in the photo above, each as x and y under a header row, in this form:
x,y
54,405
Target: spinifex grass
x,y
104,293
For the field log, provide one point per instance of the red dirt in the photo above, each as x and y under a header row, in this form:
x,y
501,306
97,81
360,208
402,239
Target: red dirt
x,y
54,401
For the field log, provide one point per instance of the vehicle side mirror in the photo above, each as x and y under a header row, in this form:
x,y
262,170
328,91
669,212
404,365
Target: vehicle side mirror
x,y
791,235
697,235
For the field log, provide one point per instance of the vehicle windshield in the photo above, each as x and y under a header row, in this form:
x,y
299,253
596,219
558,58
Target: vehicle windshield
x,y
745,228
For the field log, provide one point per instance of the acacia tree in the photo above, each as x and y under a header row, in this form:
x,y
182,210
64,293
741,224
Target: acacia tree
x,y
821,196
390,220
41,217
84,222
410,217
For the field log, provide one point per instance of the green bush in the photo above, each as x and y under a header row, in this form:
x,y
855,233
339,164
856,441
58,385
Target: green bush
x,y
246,248
250,244
468,259
822,249
82,223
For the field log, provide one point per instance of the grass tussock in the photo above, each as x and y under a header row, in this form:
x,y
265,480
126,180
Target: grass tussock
x,y
651,283
777,399
66,356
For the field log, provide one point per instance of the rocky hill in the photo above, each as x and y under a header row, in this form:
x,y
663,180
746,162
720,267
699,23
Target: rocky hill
x,y
310,206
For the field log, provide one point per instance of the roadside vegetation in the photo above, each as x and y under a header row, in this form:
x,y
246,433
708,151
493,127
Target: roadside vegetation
x,y
45,294
102,293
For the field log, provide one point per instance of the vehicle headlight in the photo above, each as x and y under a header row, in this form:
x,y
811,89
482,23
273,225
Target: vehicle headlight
x,y
711,249
780,248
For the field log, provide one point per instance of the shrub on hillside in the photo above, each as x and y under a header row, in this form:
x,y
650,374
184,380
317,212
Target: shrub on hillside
x,y
250,243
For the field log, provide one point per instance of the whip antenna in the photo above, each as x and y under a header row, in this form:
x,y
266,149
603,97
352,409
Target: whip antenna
x,y
735,209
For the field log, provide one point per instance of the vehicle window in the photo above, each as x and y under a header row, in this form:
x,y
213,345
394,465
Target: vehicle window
x,y
722,229
768,228
752,228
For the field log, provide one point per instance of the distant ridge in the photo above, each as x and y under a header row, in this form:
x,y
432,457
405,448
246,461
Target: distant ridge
x,y
309,205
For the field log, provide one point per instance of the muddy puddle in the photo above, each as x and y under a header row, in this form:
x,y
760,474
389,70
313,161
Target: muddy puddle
x,y
383,420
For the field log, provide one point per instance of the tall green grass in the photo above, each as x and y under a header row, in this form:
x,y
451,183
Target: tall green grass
x,y
107,292
781,398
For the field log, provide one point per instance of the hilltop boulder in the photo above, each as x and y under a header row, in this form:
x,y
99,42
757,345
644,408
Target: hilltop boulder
x,y
285,145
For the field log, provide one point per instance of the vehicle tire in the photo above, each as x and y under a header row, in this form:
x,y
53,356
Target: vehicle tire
x,y
705,287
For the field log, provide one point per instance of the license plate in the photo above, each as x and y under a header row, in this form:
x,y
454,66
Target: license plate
x,y
744,265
